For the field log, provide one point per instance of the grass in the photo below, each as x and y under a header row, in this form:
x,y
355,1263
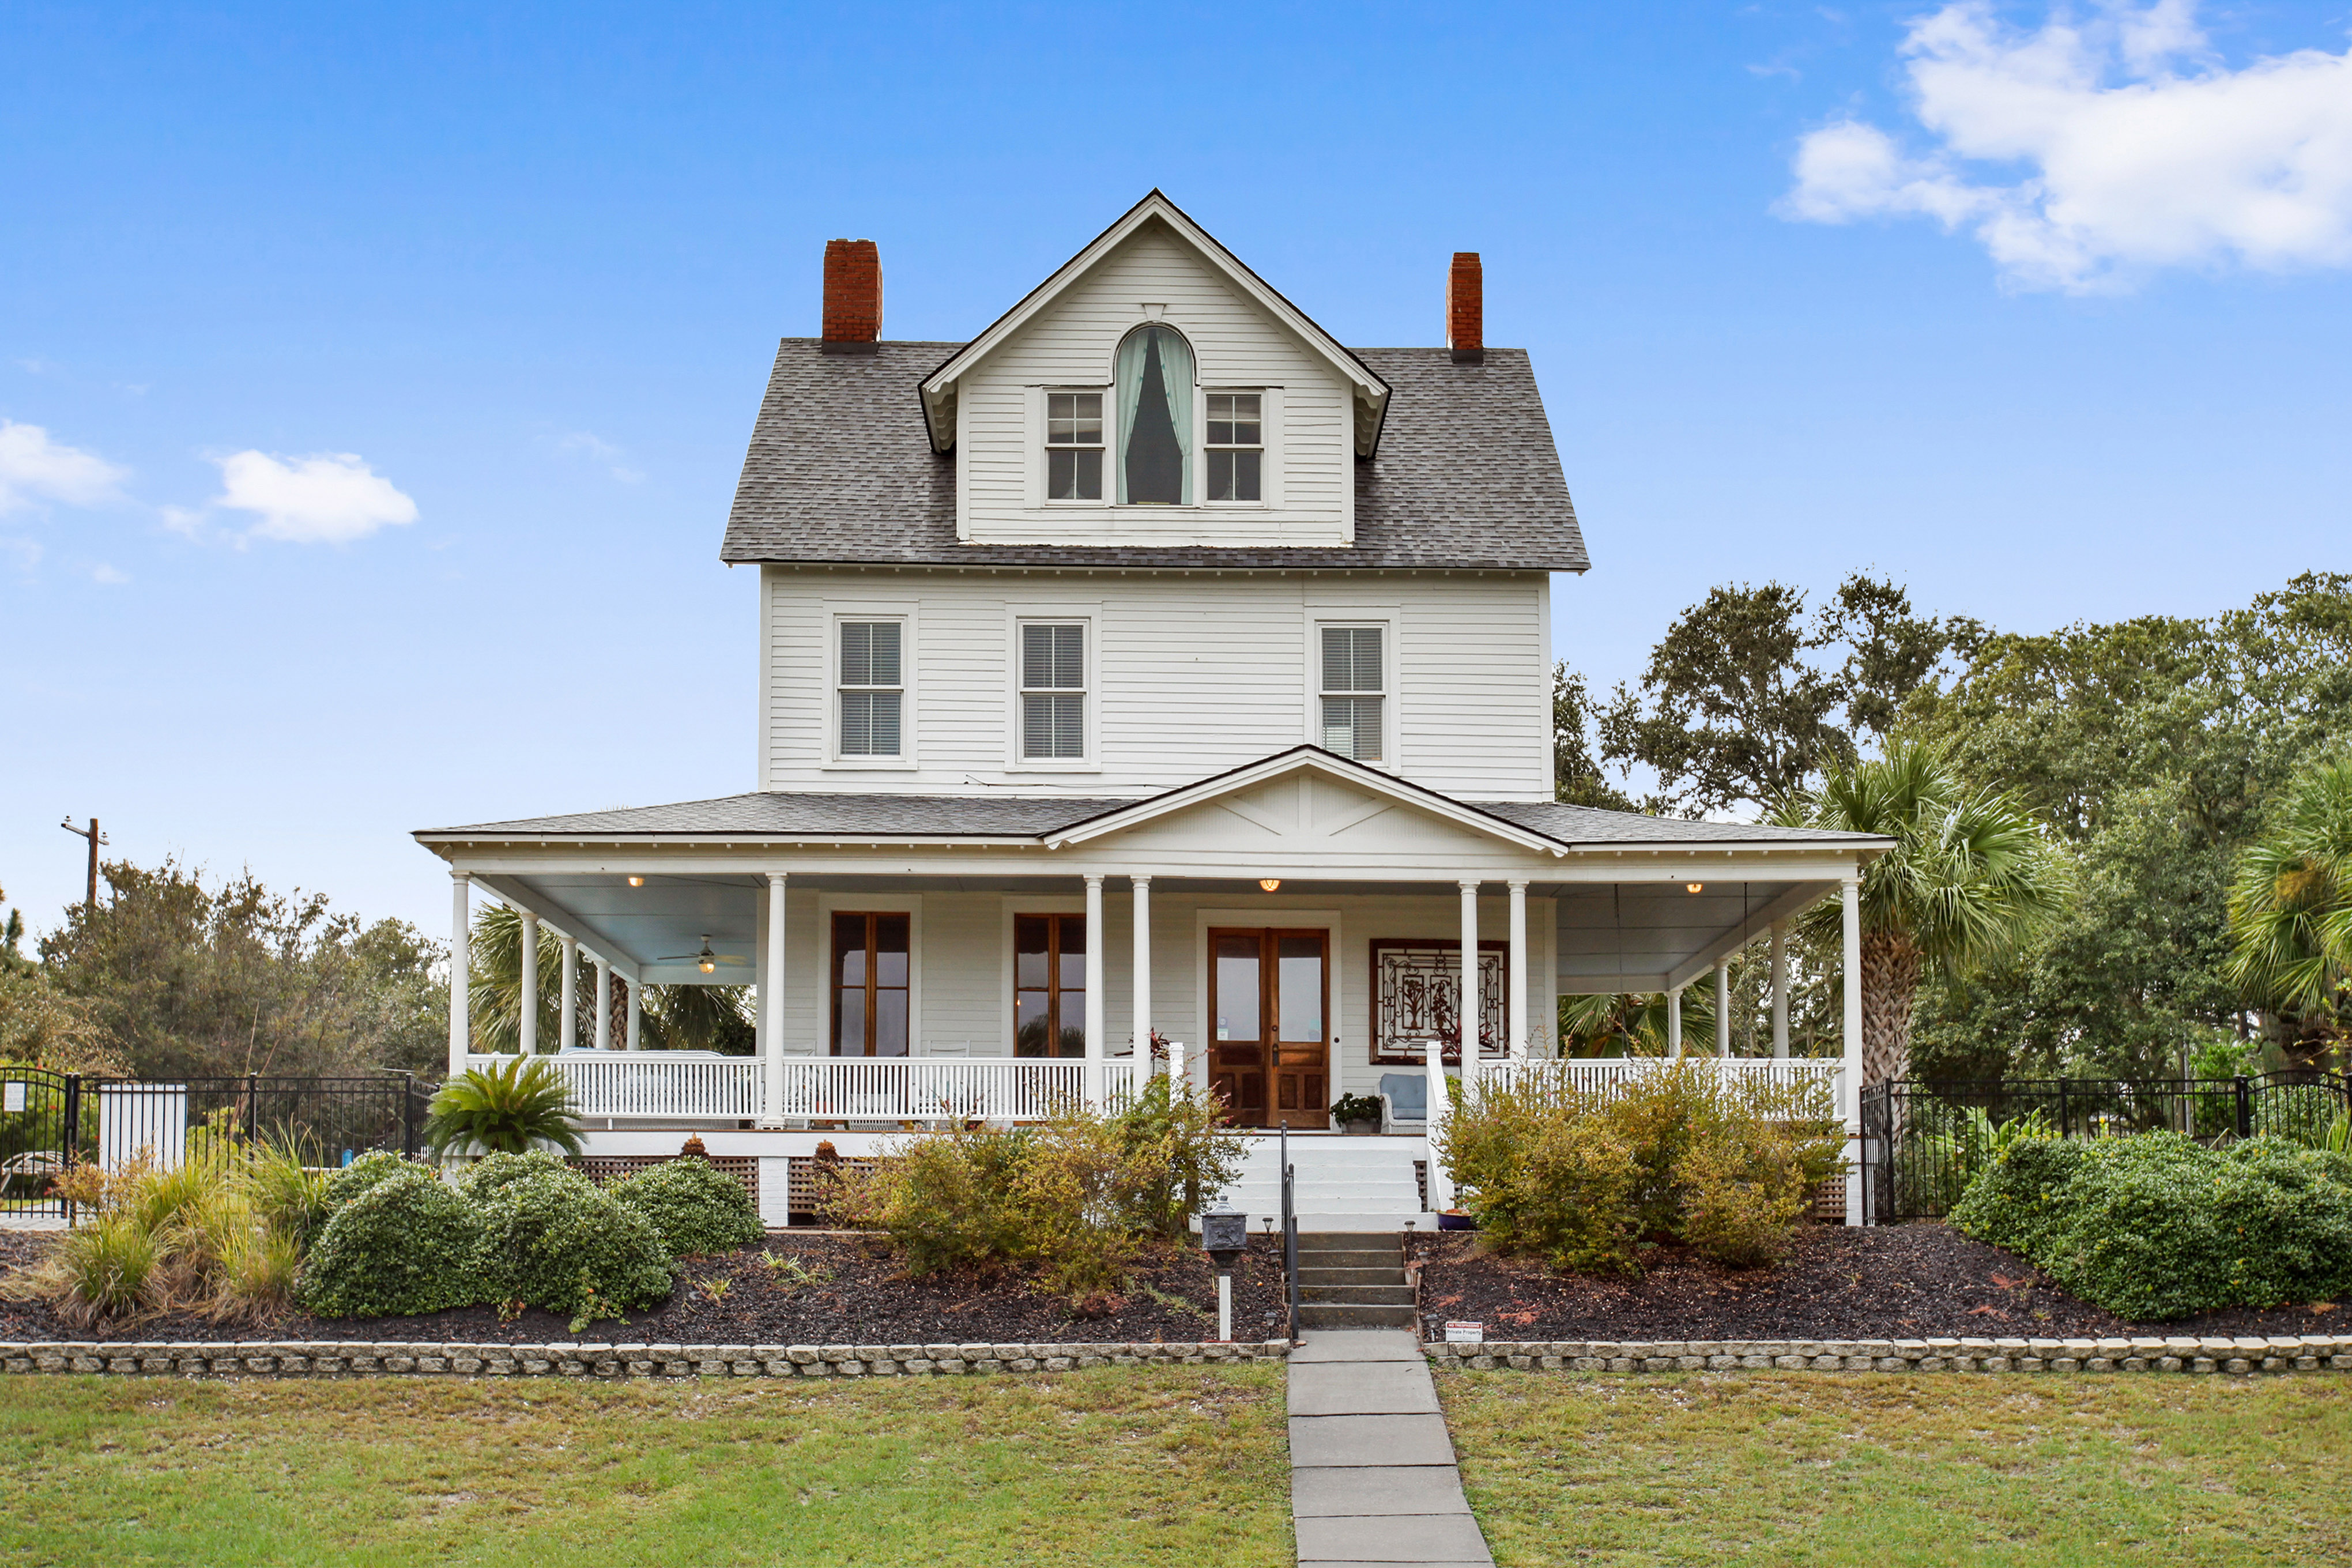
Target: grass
x,y
1161,1464
1886,1471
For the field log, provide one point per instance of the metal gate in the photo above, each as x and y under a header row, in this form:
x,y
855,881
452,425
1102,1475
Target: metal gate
x,y
44,1128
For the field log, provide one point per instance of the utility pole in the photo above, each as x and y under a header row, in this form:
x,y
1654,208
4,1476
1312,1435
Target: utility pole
x,y
96,838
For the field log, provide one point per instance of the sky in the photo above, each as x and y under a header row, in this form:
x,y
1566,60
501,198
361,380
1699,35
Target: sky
x,y
374,380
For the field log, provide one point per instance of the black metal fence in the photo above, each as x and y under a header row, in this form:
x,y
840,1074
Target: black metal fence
x,y
1924,1140
50,1122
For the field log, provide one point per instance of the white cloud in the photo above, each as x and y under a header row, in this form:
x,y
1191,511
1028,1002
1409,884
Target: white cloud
x,y
22,554
331,498
35,468
2135,148
107,574
603,451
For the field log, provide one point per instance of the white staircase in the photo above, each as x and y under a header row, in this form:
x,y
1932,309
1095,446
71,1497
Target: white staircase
x,y
1344,1184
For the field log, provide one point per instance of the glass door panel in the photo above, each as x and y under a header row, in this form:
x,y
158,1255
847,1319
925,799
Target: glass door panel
x,y
1269,992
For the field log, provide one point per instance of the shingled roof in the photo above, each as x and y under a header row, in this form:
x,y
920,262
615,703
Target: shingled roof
x,y
841,470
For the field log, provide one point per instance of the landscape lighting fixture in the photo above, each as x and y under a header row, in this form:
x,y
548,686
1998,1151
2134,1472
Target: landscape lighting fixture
x,y
1269,883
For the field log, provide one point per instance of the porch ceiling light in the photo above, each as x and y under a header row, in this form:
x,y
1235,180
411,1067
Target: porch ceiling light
x,y
637,881
1269,883
1693,887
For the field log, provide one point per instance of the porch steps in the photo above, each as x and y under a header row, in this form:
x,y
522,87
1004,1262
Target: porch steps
x,y
1370,1180
1348,1279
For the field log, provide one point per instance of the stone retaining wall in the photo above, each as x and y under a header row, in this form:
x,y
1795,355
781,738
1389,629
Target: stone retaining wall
x,y
343,1358
2308,1353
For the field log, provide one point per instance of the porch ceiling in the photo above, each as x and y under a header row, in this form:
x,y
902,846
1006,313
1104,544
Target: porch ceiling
x,y
1655,936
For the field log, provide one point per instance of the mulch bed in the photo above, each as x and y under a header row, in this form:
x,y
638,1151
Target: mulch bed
x,y
864,1298
1880,1282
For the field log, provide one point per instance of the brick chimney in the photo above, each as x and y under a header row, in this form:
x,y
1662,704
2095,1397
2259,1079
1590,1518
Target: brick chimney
x,y
853,296
1466,308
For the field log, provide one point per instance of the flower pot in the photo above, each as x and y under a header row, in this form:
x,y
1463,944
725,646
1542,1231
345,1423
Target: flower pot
x,y
1358,1129
1457,1222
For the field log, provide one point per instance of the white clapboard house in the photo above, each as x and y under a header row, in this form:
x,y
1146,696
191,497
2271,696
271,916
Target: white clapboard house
x,y
1150,664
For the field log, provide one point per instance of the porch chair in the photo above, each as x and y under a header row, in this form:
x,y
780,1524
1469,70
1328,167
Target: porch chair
x,y
1404,1102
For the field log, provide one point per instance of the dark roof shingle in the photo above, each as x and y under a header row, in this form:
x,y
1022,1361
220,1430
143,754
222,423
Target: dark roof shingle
x,y
841,470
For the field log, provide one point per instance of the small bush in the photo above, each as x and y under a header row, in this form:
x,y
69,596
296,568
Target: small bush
x,y
692,1207
2155,1226
405,1246
556,1241
493,1173
1743,1191
1583,1178
106,1269
375,1165
1078,1198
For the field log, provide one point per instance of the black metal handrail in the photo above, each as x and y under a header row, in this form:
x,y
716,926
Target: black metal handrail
x,y
1289,1239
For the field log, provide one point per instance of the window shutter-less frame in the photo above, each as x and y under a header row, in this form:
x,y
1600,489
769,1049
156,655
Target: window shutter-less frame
x,y
1354,677
1053,692
872,692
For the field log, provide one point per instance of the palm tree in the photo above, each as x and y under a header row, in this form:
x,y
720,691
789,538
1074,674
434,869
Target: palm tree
x,y
1633,1024
2291,912
1971,876
675,1017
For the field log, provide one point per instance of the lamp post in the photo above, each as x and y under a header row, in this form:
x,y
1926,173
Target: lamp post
x,y
1224,1236
96,838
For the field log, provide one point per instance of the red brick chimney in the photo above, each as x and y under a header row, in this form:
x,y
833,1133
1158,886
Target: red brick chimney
x,y
1466,308
853,296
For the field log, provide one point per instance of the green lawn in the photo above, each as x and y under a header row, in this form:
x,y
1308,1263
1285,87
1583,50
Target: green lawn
x,y
1885,1472
1168,1465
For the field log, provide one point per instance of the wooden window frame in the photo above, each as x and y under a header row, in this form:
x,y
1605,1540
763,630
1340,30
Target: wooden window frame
x,y
1053,988
833,988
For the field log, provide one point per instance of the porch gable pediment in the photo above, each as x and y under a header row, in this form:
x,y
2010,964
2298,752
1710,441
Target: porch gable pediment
x,y
1305,802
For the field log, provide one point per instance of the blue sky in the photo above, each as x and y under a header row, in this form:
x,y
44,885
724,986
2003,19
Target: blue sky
x,y
377,378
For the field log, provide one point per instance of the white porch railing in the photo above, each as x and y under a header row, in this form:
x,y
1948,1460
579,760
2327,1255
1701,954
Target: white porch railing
x,y
828,1089
1607,1075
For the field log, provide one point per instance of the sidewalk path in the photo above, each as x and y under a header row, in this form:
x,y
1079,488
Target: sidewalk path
x,y
1372,1478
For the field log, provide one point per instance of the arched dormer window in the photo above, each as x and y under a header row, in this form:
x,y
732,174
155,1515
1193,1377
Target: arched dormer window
x,y
1155,417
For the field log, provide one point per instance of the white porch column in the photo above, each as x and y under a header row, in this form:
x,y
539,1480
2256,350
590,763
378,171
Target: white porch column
x,y
1441,1180
1722,1010
1143,977
1780,990
527,1041
461,968
1674,1023
567,1027
603,1005
772,1006
1470,1009
1095,1026
1519,1020
636,1015
1850,893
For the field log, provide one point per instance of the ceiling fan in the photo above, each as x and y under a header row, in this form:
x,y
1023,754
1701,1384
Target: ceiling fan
x,y
705,960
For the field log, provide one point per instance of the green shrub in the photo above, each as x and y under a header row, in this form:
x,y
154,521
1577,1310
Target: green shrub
x,y
692,1207
404,1246
107,1269
493,1173
556,1241
2157,1226
1078,1198
375,1165
1584,1177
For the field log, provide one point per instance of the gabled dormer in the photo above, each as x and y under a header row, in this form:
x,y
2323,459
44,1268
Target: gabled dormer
x,y
1156,391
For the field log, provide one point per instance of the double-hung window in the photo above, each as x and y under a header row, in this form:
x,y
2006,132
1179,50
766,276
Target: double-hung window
x,y
872,691
1236,446
1053,691
1354,691
1073,446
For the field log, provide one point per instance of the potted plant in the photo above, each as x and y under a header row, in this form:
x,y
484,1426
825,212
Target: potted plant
x,y
1356,1113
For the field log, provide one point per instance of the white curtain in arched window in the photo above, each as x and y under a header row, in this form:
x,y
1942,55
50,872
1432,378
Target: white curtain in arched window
x,y
1155,417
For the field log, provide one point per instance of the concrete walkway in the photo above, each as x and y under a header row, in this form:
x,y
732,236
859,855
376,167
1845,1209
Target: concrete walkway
x,y
1372,1478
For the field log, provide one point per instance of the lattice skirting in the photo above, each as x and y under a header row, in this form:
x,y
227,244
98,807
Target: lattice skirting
x,y
605,1169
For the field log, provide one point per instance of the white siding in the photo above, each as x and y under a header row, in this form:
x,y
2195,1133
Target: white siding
x,y
1193,675
999,484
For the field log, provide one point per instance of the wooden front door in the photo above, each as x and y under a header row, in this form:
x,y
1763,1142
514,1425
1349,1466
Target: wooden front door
x,y
1270,1007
